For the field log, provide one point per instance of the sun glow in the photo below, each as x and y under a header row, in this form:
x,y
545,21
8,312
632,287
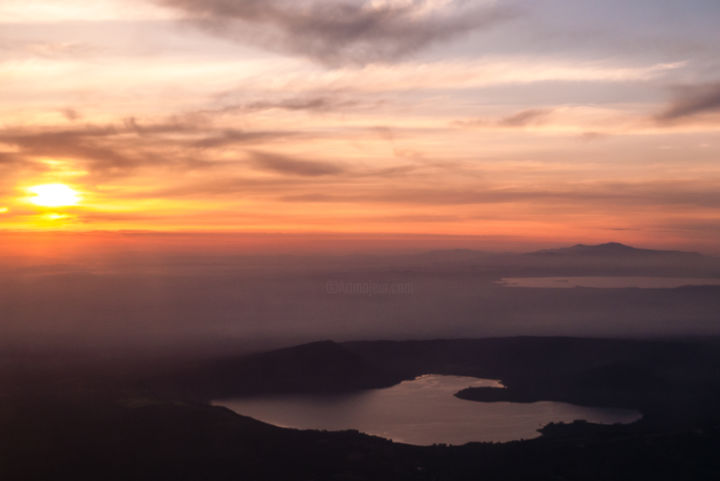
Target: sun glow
x,y
54,195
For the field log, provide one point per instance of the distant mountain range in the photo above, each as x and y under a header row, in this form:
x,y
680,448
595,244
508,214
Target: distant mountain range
x,y
608,249
611,249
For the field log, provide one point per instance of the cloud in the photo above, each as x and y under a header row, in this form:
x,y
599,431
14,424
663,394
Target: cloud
x,y
692,101
94,145
286,165
525,117
230,184
172,125
44,50
117,150
519,119
341,32
70,114
592,135
313,198
310,103
315,103
13,165
8,159
594,195
235,136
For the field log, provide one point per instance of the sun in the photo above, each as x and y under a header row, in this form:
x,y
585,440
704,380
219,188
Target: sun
x,y
54,195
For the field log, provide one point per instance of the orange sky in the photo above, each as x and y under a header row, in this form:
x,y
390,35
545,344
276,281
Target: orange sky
x,y
513,123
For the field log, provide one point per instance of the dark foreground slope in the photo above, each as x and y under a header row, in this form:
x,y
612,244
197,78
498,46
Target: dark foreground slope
x,y
84,439
139,423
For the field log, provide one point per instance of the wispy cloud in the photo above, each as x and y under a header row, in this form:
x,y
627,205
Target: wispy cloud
x,y
692,101
117,150
525,117
589,196
44,50
341,32
286,165
303,102
70,114
228,137
309,103
96,147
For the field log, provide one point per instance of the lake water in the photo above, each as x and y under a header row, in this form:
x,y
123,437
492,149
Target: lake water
x,y
423,411
607,282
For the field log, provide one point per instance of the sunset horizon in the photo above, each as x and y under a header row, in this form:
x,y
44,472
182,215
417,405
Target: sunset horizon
x,y
500,119
368,240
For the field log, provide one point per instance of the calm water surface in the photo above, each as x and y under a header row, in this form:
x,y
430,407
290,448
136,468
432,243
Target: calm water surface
x,y
422,411
607,282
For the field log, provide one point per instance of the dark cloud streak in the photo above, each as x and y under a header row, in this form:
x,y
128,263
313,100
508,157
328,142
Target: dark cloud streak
x,y
601,195
692,101
70,114
314,103
523,118
526,117
111,151
234,136
286,165
340,32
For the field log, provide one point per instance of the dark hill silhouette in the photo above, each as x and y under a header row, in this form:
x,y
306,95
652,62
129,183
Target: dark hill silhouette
x,y
612,249
655,377
83,439
318,367
89,425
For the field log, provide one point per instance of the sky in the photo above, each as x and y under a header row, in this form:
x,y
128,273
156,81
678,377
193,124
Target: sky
x,y
527,122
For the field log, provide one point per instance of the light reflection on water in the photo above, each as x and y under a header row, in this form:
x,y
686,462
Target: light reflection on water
x,y
422,411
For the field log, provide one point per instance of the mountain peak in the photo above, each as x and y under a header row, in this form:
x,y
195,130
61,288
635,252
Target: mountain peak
x,y
609,248
615,246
